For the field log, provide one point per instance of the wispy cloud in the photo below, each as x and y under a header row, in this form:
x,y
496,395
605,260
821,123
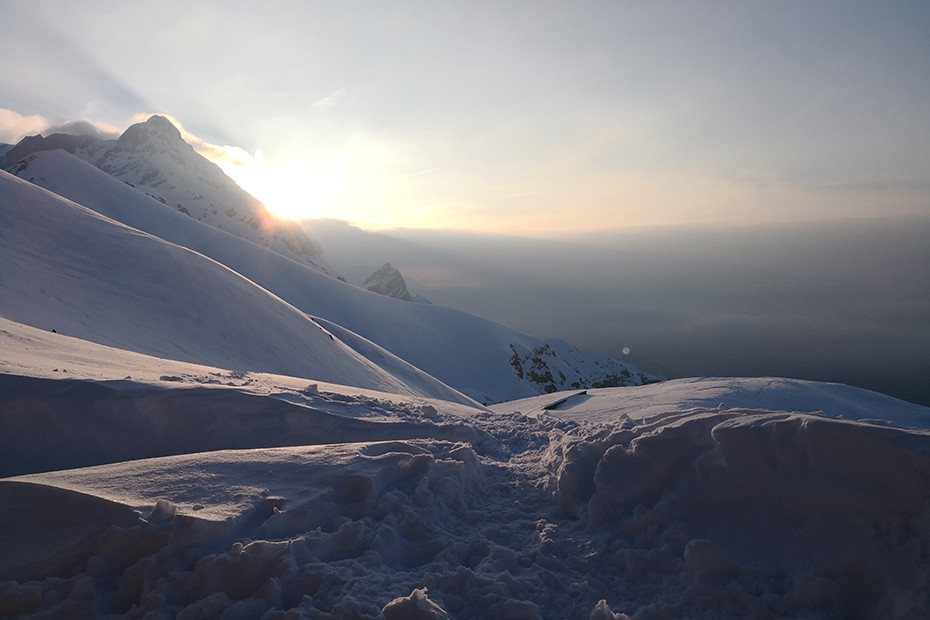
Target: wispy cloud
x,y
332,99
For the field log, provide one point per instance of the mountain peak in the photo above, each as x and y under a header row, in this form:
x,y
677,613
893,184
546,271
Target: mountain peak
x,y
387,280
157,132
161,125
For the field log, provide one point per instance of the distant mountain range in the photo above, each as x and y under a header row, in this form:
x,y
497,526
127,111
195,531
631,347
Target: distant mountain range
x,y
263,306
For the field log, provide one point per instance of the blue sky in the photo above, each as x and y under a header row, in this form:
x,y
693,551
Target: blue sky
x,y
519,117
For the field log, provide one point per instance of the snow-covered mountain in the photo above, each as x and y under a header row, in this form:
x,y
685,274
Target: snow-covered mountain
x,y
481,359
70,269
153,158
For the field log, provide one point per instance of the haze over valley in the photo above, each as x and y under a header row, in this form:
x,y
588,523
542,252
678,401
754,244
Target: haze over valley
x,y
831,301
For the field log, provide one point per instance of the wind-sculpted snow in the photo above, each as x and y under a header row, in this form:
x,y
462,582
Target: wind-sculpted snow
x,y
445,511
759,513
132,421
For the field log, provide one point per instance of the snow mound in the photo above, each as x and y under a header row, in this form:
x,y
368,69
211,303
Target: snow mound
x,y
681,395
136,421
819,513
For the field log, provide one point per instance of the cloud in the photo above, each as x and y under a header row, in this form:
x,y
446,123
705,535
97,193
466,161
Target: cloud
x,y
330,100
85,128
14,126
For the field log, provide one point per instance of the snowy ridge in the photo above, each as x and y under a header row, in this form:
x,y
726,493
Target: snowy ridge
x,y
471,354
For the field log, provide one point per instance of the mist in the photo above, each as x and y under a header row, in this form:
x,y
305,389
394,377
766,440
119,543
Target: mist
x,y
844,301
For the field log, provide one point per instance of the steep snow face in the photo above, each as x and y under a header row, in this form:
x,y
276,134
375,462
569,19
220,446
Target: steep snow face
x,y
386,280
473,355
153,158
70,269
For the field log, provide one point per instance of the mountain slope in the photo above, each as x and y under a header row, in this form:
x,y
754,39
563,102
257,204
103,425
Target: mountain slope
x,y
70,269
473,355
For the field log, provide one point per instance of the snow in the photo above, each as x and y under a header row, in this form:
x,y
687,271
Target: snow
x,y
145,406
240,439
762,393
153,158
480,366
88,276
344,502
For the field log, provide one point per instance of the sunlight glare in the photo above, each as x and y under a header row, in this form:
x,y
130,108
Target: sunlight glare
x,y
291,190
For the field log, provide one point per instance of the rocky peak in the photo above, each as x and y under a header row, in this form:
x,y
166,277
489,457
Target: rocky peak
x,y
157,133
151,152
387,280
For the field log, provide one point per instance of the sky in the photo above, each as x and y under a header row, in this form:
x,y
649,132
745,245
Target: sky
x,y
514,117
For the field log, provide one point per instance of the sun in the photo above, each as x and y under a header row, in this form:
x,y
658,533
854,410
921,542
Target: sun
x,y
365,184
301,194
291,190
